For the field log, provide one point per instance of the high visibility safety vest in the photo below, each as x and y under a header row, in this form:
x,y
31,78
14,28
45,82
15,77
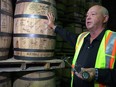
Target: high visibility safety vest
x,y
106,53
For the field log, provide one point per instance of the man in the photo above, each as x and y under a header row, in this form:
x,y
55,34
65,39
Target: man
x,y
95,50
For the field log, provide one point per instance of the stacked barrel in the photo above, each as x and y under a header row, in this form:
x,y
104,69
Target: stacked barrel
x,y
32,38
34,41
6,27
5,80
34,79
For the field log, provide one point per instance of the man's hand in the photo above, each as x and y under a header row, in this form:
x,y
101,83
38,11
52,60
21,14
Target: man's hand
x,y
50,22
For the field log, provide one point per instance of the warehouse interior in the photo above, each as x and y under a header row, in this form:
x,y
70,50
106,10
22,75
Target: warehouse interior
x,y
109,4
71,15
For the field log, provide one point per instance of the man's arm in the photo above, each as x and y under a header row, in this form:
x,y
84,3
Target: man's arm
x,y
70,37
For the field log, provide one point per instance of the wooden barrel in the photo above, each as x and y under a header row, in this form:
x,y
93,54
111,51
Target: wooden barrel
x,y
32,39
36,79
6,27
5,80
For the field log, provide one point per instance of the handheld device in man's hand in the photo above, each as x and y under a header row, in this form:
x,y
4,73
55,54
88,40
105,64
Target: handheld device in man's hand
x,y
85,75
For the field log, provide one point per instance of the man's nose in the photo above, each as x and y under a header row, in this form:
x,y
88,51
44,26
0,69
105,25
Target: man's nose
x,y
88,17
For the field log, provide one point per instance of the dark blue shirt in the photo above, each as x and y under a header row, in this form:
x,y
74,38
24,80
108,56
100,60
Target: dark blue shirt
x,y
87,57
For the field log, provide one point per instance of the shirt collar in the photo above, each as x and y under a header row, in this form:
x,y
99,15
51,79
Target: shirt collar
x,y
99,36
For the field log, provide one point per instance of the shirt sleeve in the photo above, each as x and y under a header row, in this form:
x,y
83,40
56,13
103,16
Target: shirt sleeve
x,y
70,37
107,76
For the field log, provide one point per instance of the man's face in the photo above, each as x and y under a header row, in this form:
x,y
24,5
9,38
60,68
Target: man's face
x,y
94,18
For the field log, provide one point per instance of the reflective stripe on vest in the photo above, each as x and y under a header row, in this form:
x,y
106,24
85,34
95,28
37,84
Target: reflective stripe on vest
x,y
106,53
77,49
111,49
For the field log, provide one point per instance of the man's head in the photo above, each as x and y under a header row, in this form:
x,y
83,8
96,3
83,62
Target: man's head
x,y
96,17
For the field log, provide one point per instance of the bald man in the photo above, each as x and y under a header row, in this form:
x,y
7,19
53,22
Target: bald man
x,y
95,50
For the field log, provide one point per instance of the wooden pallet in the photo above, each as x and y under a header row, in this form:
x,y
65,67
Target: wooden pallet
x,y
13,65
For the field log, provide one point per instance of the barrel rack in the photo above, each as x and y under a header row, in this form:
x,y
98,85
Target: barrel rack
x,y
13,65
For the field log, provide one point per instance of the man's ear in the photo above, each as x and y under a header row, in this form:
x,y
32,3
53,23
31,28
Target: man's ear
x,y
106,17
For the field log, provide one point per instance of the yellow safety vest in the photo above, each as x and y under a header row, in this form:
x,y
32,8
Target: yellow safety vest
x,y
106,54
